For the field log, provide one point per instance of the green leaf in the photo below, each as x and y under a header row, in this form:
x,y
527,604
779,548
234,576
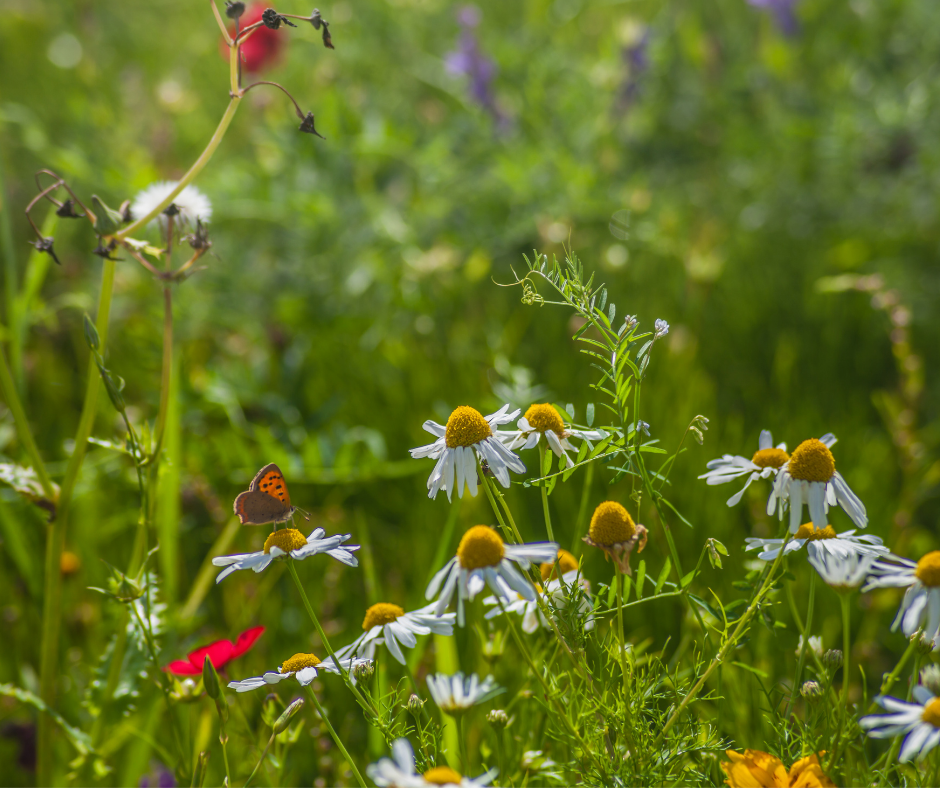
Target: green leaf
x,y
25,481
640,577
612,592
663,574
590,414
78,739
751,669
569,409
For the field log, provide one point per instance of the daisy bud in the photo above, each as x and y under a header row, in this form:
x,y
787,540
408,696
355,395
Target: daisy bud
x,y
107,220
832,659
364,671
498,718
202,765
811,691
414,705
924,644
91,333
281,723
210,679
930,678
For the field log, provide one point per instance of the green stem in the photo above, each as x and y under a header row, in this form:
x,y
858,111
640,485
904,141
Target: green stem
x,y
891,756
846,676
223,740
462,741
800,628
326,643
802,658
264,752
336,738
55,543
623,645
893,675
544,491
583,507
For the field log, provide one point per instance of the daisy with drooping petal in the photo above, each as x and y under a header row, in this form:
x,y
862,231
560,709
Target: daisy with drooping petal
x,y
466,436
391,625
457,694
755,768
545,421
767,460
220,654
842,573
612,530
483,559
191,203
400,771
289,542
819,542
921,604
919,722
303,667
556,592
810,477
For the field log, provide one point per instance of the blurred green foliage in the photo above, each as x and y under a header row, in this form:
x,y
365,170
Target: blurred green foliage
x,y
351,294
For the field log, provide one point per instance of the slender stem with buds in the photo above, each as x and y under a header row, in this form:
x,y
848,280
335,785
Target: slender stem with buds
x,y
544,491
336,738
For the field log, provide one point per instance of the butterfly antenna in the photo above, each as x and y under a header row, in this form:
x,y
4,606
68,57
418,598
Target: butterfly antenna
x,y
305,513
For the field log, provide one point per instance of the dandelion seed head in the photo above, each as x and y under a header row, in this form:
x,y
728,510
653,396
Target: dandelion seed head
x,y
544,417
381,613
286,539
811,533
611,524
812,461
480,547
566,563
770,458
466,427
931,713
928,569
299,662
442,775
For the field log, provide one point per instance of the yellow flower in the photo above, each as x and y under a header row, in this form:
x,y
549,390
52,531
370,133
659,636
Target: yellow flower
x,y
756,769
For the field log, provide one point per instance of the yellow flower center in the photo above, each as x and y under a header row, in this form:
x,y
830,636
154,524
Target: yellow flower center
x,y
931,713
299,662
566,563
69,563
382,613
770,458
466,427
286,538
611,524
809,532
442,775
545,417
928,569
812,461
480,546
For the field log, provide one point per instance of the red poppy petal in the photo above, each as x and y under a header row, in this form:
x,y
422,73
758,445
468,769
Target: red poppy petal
x,y
246,640
219,653
182,668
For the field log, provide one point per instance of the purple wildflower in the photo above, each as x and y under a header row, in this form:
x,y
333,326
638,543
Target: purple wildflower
x,y
784,13
159,777
469,61
636,58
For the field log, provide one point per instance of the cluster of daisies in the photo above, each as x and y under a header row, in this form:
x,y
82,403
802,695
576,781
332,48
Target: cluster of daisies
x,y
846,561
533,581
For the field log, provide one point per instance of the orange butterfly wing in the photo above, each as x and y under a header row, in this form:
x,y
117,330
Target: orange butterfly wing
x,y
270,480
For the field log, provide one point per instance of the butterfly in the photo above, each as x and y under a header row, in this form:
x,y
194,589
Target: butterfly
x,y
266,500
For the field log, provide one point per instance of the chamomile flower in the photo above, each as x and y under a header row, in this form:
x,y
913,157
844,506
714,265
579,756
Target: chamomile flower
x,y
810,477
390,624
557,592
289,542
919,723
466,436
819,542
921,604
767,460
544,421
458,694
815,644
191,203
400,771
612,530
842,573
483,559
303,667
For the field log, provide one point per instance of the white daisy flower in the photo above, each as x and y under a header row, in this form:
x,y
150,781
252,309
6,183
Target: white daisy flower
x,y
192,204
819,542
557,594
810,477
544,421
767,460
304,667
815,645
391,625
457,694
921,604
400,771
845,572
919,722
466,436
483,559
289,542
